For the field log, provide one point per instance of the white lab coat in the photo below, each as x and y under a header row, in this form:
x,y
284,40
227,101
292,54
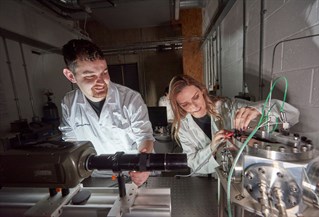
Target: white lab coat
x,y
196,144
123,124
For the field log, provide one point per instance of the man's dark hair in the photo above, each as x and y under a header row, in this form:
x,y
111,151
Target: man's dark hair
x,y
80,49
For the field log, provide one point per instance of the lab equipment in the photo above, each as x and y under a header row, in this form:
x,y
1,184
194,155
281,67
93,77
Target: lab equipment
x,y
276,175
25,171
65,164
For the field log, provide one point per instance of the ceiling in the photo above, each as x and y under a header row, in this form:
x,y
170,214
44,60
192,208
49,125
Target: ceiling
x,y
121,14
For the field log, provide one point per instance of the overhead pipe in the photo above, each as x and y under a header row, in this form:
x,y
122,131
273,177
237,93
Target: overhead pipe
x,y
170,44
191,4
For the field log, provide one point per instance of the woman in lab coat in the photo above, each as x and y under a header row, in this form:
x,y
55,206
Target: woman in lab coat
x,y
199,120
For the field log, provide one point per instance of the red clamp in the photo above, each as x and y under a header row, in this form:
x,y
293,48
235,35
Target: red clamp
x,y
229,134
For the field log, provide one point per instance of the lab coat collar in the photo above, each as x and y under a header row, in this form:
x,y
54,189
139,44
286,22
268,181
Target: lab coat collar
x,y
215,122
110,99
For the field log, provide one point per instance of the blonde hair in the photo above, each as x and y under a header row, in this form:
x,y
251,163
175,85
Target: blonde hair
x,y
177,84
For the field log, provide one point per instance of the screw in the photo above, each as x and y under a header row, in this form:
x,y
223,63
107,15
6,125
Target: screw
x,y
304,148
261,170
282,149
249,175
295,150
239,197
293,188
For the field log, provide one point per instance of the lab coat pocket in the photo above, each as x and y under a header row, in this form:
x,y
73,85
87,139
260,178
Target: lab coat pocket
x,y
83,129
120,121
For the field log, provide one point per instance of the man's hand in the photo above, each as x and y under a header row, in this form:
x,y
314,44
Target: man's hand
x,y
139,177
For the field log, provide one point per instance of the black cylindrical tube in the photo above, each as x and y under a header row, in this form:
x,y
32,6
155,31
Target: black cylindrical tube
x,y
138,162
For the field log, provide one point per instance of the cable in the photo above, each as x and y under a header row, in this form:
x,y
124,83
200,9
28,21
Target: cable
x,y
235,162
283,101
249,138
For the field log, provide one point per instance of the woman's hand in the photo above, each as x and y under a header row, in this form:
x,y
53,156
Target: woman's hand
x,y
244,116
218,138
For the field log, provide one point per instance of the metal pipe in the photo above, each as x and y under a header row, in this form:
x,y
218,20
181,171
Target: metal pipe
x,y
213,61
280,205
282,41
209,66
177,6
219,61
244,45
28,81
211,55
16,99
150,46
263,200
261,43
273,57
206,65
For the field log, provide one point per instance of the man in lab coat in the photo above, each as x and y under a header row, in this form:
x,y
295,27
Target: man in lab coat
x,y
113,117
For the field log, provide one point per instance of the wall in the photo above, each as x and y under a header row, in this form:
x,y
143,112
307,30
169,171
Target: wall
x,y
191,21
231,30
224,48
44,68
209,12
156,69
296,60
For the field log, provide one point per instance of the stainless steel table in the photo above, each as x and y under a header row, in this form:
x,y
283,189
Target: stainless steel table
x,y
190,197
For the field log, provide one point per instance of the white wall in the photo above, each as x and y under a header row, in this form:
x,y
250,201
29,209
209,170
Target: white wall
x,y
209,12
297,60
231,28
44,69
227,50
